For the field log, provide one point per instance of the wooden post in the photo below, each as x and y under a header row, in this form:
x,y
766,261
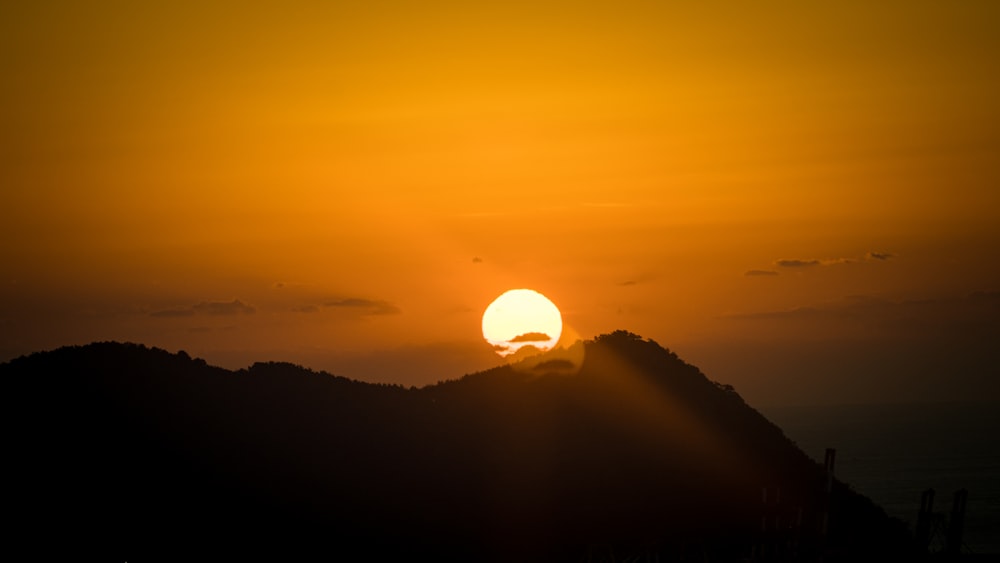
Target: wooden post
x,y
924,519
828,463
956,523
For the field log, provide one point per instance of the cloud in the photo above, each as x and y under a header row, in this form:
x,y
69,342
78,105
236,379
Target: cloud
x,y
214,308
641,278
204,329
883,256
796,313
797,263
364,306
288,285
760,273
973,313
234,307
531,337
524,351
939,347
477,260
850,307
176,312
800,263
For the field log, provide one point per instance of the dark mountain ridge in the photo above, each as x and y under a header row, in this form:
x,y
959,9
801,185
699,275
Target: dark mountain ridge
x,y
133,453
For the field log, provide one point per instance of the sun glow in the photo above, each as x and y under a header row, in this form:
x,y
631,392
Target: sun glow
x,y
522,318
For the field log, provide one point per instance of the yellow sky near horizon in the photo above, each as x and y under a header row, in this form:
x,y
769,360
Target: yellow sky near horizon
x,y
342,179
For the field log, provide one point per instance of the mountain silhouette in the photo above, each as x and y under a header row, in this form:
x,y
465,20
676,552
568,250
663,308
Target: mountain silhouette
x,y
126,452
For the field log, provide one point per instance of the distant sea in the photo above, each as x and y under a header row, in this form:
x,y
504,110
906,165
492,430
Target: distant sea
x,y
892,453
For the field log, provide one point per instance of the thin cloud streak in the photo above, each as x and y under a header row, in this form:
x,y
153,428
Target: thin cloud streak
x,y
364,306
210,308
812,262
531,337
881,256
795,263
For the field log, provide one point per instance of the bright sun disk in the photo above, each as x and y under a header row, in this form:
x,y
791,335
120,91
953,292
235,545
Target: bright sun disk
x,y
520,318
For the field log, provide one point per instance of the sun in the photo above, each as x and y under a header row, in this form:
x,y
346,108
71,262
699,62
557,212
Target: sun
x,y
521,318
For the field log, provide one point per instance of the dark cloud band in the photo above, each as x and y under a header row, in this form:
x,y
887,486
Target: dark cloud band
x,y
214,308
531,337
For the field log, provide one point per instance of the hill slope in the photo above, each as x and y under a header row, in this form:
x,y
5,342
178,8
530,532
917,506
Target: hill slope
x,y
130,452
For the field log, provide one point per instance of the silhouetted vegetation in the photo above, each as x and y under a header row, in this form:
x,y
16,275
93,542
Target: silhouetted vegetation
x,y
129,453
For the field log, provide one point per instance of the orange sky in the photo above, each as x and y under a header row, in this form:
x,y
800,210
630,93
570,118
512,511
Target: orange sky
x,y
347,187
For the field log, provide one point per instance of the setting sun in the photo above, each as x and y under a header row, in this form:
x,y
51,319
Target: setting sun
x,y
521,318
245,248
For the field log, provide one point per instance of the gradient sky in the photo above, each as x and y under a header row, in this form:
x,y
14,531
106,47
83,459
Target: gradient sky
x,y
802,200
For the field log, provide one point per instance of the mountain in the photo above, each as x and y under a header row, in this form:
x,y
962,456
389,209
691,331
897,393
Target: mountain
x,y
126,452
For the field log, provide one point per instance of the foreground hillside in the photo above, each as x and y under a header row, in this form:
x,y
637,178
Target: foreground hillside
x,y
135,453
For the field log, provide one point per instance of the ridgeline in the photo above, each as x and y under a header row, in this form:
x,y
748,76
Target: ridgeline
x,y
125,452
